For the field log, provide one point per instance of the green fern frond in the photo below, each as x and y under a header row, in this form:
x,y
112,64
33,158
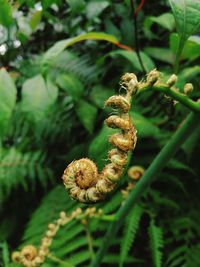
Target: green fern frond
x,y
79,65
156,243
17,168
56,201
186,253
4,254
130,229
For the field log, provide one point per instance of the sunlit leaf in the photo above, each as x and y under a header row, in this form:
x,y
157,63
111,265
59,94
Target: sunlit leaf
x,y
35,19
37,97
5,13
187,14
71,85
56,49
7,99
95,8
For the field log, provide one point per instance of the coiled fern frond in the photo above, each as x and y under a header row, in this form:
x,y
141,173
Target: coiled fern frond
x,y
81,178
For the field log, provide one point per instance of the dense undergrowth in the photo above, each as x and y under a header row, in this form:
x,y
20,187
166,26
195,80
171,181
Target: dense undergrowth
x,y
52,96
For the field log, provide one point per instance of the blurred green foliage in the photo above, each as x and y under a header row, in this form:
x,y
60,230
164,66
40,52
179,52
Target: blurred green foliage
x,y
59,61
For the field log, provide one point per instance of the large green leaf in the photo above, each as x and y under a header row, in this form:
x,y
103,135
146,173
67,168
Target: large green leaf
x,y
35,19
37,97
5,13
7,99
87,114
165,20
95,8
76,6
144,127
191,50
132,57
56,49
71,85
161,54
100,94
187,17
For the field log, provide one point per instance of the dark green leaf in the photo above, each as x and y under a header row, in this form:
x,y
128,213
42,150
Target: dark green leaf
x,y
144,127
87,114
71,85
131,56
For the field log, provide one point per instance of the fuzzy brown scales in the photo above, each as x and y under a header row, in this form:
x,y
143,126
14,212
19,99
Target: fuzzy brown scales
x,y
81,178
30,256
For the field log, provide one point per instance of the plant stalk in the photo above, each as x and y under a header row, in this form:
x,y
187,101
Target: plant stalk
x,y
189,126
178,54
180,97
137,45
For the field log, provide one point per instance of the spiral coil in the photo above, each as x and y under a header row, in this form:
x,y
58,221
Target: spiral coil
x,y
81,177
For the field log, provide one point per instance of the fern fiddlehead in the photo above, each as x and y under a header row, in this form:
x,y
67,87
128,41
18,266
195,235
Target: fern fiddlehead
x,y
81,178
31,256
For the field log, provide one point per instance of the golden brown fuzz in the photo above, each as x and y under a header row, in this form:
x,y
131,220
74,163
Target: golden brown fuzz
x,y
30,256
81,178
135,172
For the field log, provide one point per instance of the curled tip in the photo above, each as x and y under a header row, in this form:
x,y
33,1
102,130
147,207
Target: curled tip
x,y
188,87
82,173
129,82
117,157
112,173
119,102
135,172
121,142
16,257
153,77
81,178
115,121
172,80
29,252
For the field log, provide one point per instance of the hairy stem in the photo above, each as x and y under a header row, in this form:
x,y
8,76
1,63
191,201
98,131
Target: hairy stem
x,y
182,98
188,127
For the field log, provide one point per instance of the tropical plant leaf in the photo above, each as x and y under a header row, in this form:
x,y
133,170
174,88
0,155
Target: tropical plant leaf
x,y
5,13
61,45
87,114
130,230
132,57
37,97
8,94
186,13
156,243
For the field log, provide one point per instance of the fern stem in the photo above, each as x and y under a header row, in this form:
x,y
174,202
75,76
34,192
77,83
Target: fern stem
x,y
89,240
188,127
183,99
55,259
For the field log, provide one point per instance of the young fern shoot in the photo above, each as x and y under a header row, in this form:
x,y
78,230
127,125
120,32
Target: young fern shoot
x,y
81,178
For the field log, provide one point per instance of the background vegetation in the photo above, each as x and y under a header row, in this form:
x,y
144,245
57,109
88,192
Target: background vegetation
x,y
51,112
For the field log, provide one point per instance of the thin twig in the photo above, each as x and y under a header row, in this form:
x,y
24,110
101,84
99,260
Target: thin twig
x,y
137,45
